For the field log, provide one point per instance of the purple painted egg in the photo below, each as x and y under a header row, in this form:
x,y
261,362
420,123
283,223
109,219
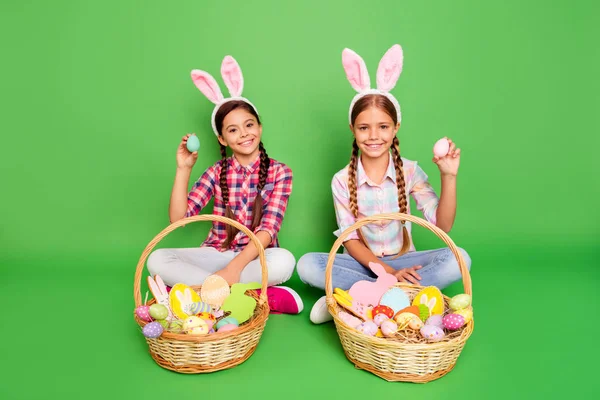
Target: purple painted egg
x,y
152,330
432,333
435,320
368,328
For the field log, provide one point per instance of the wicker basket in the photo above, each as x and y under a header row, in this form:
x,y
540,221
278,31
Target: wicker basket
x,y
395,360
193,354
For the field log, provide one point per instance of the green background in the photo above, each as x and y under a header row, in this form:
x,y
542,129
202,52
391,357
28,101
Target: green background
x,y
96,95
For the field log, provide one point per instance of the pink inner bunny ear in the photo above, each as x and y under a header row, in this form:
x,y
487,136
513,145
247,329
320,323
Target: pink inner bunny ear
x,y
207,85
356,70
232,75
390,68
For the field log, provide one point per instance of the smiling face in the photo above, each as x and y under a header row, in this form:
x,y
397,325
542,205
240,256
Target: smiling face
x,y
241,132
374,126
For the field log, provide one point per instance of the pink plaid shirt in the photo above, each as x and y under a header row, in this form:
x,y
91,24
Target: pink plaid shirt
x,y
384,238
242,182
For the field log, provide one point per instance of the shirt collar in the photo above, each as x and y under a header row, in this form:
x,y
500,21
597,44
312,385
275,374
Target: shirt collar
x,y
240,168
363,178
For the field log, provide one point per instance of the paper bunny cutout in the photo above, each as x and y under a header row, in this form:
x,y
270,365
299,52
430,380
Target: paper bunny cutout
x,y
159,291
234,80
369,293
388,73
241,306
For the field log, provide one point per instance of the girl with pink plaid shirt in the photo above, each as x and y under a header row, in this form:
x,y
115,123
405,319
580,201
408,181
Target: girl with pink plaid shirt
x,y
249,187
377,181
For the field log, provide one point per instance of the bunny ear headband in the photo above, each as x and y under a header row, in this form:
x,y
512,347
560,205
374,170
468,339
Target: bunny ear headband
x,y
234,80
388,73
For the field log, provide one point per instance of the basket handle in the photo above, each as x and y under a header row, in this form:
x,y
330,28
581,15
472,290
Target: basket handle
x,y
466,277
204,217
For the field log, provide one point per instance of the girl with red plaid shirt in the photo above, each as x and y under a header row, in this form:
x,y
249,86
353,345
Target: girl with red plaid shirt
x,y
248,187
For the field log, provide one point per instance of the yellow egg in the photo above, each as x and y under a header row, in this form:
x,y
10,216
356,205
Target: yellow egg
x,y
467,314
403,319
415,323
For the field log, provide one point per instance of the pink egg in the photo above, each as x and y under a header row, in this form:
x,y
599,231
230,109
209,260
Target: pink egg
x,y
380,319
227,328
441,147
453,321
143,313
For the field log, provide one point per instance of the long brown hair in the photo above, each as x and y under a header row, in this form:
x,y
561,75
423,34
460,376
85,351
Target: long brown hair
x,y
265,162
383,103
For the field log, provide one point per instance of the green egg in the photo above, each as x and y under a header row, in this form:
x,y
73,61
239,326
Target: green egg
x,y
460,301
164,323
158,311
176,326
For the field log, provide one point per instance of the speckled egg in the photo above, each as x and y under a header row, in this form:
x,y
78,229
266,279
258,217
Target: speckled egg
x,y
368,328
142,313
415,323
432,333
385,310
152,330
460,301
380,318
453,322
158,311
389,328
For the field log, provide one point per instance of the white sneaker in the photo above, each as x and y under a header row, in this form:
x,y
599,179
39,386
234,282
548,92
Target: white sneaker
x,y
319,313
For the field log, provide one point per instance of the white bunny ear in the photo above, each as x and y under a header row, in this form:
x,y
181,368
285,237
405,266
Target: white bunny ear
x,y
356,70
424,299
179,296
153,287
431,303
161,285
390,68
207,85
232,75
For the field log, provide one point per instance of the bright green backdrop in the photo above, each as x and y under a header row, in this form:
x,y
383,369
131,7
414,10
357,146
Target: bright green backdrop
x,y
96,95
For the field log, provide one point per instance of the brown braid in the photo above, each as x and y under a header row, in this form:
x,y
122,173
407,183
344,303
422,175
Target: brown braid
x,y
257,208
231,231
352,186
400,184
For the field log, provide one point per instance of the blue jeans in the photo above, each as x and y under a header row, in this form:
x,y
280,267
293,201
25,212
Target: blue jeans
x,y
439,268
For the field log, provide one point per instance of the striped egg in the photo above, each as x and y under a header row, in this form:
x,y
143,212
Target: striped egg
x,y
197,308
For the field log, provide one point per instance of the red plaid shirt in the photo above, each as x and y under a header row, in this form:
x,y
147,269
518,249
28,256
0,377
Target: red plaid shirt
x,y
242,182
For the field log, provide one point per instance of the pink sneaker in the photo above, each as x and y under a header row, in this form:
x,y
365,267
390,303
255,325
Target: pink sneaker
x,y
283,300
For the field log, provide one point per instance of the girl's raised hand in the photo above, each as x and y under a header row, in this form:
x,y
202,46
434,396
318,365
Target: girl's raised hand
x,y
448,164
185,159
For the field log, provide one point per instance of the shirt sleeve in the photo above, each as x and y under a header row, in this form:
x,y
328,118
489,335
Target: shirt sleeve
x,y
341,202
202,191
276,204
425,197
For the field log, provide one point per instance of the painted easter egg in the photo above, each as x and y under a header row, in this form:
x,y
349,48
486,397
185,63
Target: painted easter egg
x,y
193,143
396,299
180,297
467,314
368,328
379,319
349,319
153,330
198,330
194,322
453,322
432,298
385,310
227,321
432,333
164,323
441,147
176,326
197,308
415,323
460,301
410,309
143,314
215,290
227,328
424,312
389,328
435,320
206,316
158,311
403,319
